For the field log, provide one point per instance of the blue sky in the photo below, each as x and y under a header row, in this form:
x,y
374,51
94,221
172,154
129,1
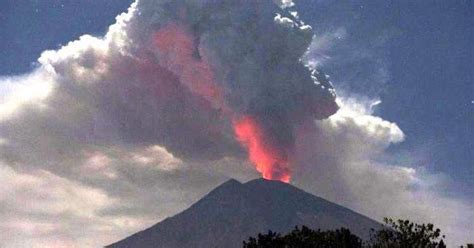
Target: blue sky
x,y
29,27
425,49
415,56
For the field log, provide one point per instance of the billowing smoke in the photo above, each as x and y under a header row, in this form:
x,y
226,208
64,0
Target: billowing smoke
x,y
205,79
246,67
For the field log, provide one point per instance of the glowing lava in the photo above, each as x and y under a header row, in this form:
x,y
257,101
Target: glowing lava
x,y
267,159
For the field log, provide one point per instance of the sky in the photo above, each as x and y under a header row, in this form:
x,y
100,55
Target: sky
x,y
402,72
425,52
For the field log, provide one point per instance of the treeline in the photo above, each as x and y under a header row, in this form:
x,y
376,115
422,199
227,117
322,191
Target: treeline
x,y
393,234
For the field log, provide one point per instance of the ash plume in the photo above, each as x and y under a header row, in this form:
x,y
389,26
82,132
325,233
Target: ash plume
x,y
243,58
204,79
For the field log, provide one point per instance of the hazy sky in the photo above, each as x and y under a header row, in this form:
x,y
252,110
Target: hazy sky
x,y
403,72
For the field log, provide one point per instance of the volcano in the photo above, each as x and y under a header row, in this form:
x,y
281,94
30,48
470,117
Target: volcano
x,y
234,211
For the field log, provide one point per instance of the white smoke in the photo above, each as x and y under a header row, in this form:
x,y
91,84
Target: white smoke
x,y
343,159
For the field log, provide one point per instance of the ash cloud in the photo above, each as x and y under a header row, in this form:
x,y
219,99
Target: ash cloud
x,y
177,72
243,57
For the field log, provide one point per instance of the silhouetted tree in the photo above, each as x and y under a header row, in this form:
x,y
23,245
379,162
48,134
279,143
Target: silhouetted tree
x,y
269,240
406,234
306,238
394,234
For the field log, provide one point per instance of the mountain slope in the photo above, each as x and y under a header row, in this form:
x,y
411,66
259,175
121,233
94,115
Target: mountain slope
x,y
233,211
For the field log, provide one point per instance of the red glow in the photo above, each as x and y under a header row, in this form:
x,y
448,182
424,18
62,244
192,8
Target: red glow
x,y
267,160
179,54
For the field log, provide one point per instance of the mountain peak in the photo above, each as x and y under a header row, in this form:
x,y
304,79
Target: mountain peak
x,y
230,183
231,186
262,182
234,211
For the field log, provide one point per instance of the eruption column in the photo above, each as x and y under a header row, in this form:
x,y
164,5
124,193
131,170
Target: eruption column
x,y
266,158
240,62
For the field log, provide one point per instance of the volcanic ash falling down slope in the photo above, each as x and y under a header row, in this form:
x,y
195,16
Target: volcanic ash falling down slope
x,y
243,58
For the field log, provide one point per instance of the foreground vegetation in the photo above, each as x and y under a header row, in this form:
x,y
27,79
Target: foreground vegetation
x,y
393,234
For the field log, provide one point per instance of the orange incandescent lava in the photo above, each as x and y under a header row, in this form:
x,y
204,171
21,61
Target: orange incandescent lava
x,y
267,160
